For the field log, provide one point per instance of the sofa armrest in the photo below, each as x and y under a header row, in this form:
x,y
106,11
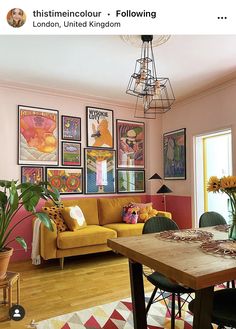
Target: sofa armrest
x,y
48,242
165,214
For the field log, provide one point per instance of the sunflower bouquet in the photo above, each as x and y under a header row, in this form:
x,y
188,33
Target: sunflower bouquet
x,y
226,184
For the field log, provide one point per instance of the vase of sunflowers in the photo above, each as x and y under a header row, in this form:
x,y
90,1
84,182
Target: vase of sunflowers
x,y
226,184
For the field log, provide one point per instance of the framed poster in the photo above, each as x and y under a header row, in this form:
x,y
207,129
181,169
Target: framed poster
x,y
70,154
130,144
174,147
33,175
70,128
37,136
66,180
99,127
130,181
99,171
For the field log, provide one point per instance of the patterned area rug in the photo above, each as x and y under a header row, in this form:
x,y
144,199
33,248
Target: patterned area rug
x,y
116,315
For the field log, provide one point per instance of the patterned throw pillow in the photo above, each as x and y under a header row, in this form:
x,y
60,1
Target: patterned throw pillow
x,y
145,211
55,215
74,218
130,214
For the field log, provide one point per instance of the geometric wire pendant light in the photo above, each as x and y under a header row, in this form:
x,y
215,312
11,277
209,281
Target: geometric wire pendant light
x,y
154,94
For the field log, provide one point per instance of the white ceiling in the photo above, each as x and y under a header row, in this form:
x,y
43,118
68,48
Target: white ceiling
x,y
101,65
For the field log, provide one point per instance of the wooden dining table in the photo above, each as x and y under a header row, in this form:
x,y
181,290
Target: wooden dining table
x,y
182,261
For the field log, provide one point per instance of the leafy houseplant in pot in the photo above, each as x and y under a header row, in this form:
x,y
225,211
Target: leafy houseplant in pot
x,y
13,198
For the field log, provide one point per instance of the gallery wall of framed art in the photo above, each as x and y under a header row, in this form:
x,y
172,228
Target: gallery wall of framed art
x,y
96,167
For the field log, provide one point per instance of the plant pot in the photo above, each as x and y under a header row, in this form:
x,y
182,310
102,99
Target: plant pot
x,y
4,261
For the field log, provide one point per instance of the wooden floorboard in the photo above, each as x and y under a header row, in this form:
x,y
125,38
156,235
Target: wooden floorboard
x,y
86,281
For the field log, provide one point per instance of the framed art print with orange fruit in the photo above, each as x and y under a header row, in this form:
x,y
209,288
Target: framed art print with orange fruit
x,y
37,136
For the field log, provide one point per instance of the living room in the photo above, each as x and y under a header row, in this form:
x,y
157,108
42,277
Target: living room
x,y
69,74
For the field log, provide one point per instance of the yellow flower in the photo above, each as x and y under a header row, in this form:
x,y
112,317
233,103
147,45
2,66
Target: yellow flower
x,y
228,182
213,184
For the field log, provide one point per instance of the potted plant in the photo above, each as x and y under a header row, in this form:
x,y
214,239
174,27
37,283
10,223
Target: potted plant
x,y
13,197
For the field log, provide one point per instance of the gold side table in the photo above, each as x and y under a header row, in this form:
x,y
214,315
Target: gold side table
x,y
7,285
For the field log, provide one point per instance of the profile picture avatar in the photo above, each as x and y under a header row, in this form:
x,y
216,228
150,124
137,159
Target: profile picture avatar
x,y
16,17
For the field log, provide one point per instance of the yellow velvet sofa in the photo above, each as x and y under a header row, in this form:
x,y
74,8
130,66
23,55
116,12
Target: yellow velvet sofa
x,y
104,221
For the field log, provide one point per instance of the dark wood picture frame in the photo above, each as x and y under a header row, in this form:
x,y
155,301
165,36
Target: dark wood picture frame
x,y
68,180
38,136
70,128
35,174
73,152
129,181
130,140
100,127
103,160
174,154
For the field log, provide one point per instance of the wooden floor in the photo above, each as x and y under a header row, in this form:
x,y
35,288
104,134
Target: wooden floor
x,y
86,281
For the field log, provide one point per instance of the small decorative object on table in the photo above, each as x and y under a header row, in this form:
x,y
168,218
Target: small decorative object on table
x,y
186,235
226,184
220,247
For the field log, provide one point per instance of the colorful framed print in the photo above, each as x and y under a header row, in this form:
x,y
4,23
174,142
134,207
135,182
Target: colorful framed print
x,y
99,171
99,127
70,154
174,146
37,136
130,181
130,144
33,175
66,180
70,128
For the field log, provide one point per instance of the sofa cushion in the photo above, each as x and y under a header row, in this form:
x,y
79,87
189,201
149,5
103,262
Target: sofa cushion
x,y
110,209
88,206
54,213
74,218
124,229
91,235
130,214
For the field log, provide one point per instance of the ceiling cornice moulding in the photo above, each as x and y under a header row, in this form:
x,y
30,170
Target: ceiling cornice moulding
x,y
66,93
210,90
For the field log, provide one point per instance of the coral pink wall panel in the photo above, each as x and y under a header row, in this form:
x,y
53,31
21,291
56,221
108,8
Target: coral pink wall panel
x,y
180,207
25,231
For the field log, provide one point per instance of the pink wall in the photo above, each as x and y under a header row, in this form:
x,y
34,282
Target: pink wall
x,y
207,112
12,96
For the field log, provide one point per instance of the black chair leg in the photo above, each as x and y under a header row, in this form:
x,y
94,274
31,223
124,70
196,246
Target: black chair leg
x,y
173,311
227,284
179,305
233,283
151,299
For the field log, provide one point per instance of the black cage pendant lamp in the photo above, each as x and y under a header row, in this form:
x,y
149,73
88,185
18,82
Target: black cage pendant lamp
x,y
154,95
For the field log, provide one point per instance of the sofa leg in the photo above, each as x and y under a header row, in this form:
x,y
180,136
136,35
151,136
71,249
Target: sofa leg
x,y
61,263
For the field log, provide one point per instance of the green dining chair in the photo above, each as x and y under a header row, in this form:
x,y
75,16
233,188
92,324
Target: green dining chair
x,y
212,218
164,287
223,313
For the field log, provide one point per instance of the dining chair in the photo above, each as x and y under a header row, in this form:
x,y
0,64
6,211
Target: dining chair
x,y
164,287
212,218
223,313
